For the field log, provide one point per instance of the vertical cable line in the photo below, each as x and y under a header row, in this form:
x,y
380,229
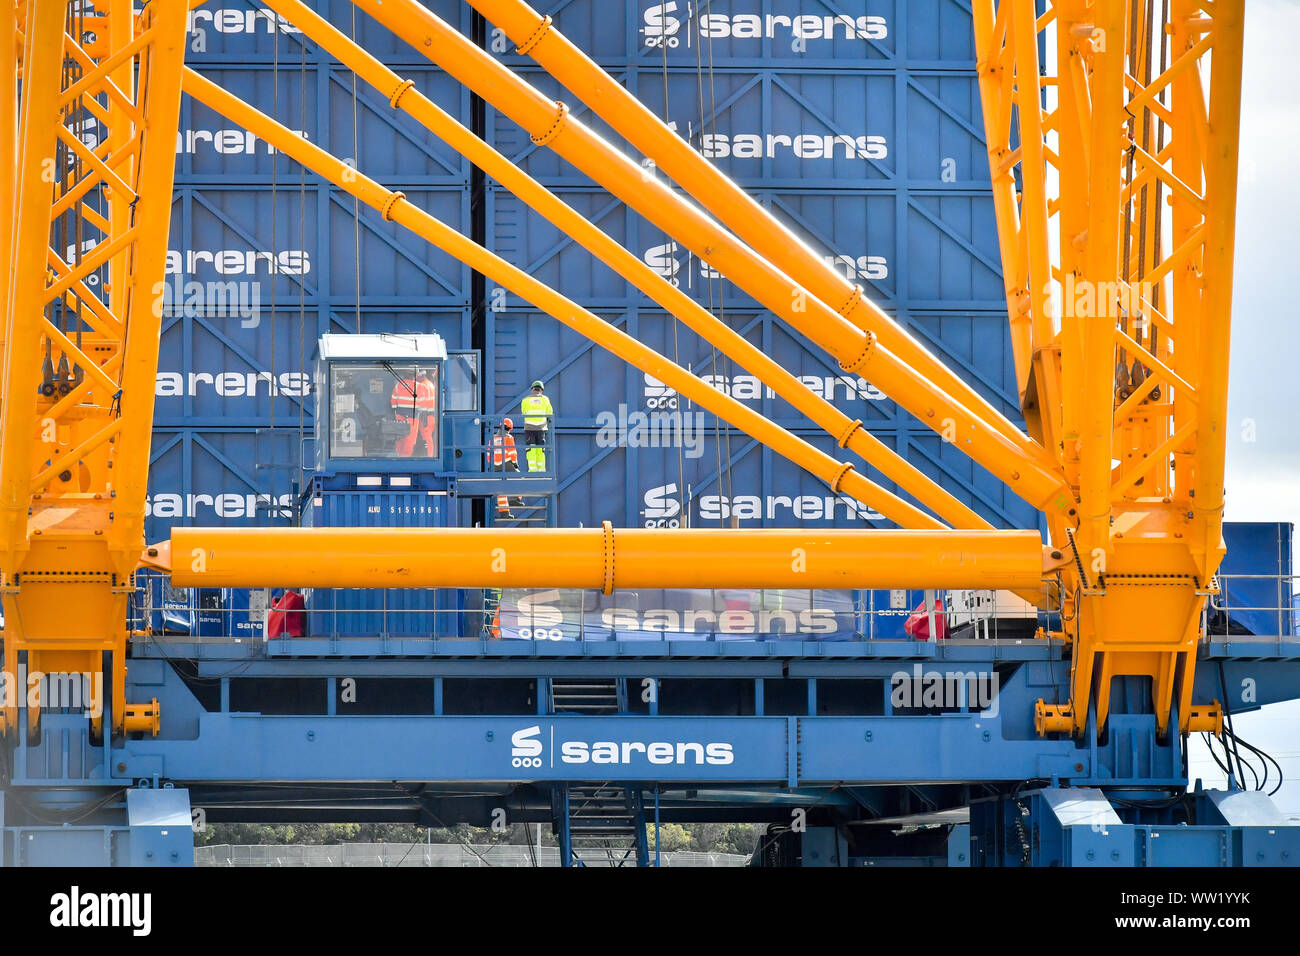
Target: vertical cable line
x,y
672,244
274,258
294,515
722,308
713,363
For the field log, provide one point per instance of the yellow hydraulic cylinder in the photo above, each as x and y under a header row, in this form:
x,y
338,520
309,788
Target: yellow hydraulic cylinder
x,y
603,558
849,433
1001,448
534,35
393,206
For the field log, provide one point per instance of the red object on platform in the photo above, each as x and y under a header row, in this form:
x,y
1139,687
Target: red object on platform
x,y
288,619
918,622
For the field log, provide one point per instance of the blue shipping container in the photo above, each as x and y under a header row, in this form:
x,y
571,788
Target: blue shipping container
x,y
397,612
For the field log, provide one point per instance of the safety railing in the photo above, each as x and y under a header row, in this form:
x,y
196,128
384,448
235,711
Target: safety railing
x,y
1261,605
229,615
483,445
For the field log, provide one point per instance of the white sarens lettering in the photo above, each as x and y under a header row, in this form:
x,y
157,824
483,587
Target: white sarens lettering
x,y
748,388
662,508
660,23
233,384
167,505
663,260
227,142
803,145
656,752
225,20
239,262
817,620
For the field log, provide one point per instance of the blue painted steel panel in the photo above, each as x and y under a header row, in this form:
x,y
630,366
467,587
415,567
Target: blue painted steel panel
x,y
734,477
855,230
317,100
210,477
585,380
775,130
1255,579
399,612
245,31
592,390
302,246
223,370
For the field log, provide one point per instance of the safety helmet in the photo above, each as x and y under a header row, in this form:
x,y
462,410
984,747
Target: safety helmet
x,y
538,384
507,424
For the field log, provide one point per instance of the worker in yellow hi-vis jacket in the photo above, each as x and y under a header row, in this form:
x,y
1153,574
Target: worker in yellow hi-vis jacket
x,y
537,412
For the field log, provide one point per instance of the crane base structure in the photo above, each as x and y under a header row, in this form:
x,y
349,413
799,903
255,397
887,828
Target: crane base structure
x,y
804,737
419,671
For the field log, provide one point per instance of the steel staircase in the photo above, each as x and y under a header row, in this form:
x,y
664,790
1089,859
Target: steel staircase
x,y
604,826
599,824
526,511
587,695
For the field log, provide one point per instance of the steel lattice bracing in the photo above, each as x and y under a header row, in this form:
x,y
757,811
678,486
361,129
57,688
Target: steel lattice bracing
x,y
80,357
1114,162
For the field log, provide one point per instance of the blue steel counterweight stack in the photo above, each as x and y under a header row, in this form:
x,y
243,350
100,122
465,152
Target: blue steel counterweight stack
x,y
858,125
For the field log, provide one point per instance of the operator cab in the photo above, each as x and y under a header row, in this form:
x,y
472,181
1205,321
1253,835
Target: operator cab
x,y
383,398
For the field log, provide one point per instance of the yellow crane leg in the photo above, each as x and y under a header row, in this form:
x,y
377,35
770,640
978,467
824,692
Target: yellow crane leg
x,y
849,433
1093,392
603,558
534,35
1001,448
841,477
1221,158
33,196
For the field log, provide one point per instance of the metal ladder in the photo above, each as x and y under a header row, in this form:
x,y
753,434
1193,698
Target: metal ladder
x,y
599,824
587,695
602,824
529,510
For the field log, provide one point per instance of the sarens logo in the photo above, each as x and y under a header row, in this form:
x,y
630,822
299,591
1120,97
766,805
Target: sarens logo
x,y
803,145
748,388
232,384
526,751
664,20
525,748
166,505
227,142
663,510
667,260
239,262
227,20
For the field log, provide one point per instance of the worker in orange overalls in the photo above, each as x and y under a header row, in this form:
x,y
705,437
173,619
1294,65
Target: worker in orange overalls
x,y
415,403
505,458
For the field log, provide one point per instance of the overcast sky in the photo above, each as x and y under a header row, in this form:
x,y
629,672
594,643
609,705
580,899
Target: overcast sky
x,y
1264,475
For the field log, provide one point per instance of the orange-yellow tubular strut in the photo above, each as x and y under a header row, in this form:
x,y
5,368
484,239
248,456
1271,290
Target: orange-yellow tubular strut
x,y
1001,448
1216,307
851,435
393,205
604,558
608,99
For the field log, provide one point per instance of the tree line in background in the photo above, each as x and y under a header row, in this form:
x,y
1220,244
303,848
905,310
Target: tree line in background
x,y
739,838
